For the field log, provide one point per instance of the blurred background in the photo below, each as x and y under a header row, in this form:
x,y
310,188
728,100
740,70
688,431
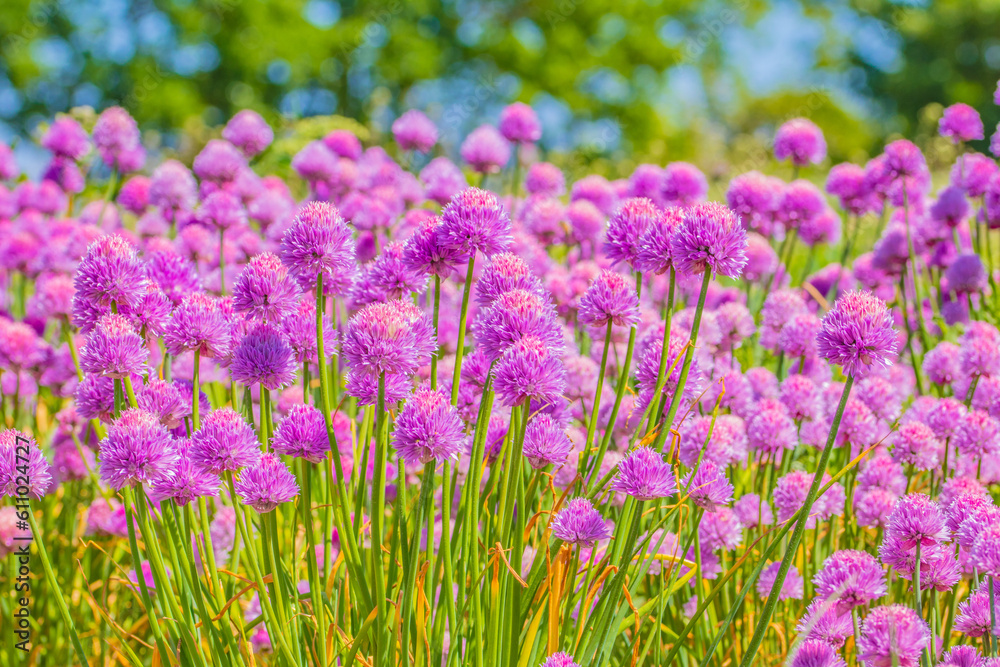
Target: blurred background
x,y
615,82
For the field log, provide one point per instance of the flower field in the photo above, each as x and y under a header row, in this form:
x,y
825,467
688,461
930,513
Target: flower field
x,y
390,408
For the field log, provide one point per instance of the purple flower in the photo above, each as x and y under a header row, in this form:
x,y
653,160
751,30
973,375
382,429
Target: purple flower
x,y
114,348
138,449
392,274
611,298
505,272
66,138
392,338
545,442
893,635
941,363
797,337
708,486
654,245
343,143
319,242
485,149
627,227
753,512
529,369
754,197
962,656
771,429
644,475
302,434
424,251
185,481
966,275
800,140
682,184
266,484
972,173
415,131
248,132
219,162
544,178
709,237
721,529
973,618
597,190
513,315
961,122
791,588
977,435
559,659
263,356
823,622
851,578
915,444
16,473
111,272
364,387
264,291
198,324
443,180
222,210
951,207
164,400
172,188
224,443
846,181
916,520
816,653
474,220
857,334
116,136
428,428
580,523
519,124
299,329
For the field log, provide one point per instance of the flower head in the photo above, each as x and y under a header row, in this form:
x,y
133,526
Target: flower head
x,y
485,149
475,220
20,470
224,443
263,356
392,337
114,349
110,272
627,227
791,587
893,635
708,486
961,122
546,442
185,481
138,449
857,334
529,370
580,523
644,475
851,578
801,141
428,428
318,243
266,484
264,291
611,298
248,132
415,131
519,124
710,237
302,434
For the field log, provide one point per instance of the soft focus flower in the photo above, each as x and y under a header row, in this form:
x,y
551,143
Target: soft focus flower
x,y
485,149
24,471
961,122
519,124
791,588
611,298
414,131
248,132
893,635
801,141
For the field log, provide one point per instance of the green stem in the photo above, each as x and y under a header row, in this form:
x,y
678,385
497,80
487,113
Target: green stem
x,y
460,347
800,527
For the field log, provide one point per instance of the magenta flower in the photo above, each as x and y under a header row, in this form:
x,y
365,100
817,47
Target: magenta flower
x,y
710,237
857,334
486,150
682,184
475,220
544,178
791,588
611,298
545,442
185,481
816,653
319,242
519,124
428,428
114,349
627,227
302,434
263,356
248,132
198,324
800,140
16,474
110,272
644,475
893,635
264,291
392,338
851,578
426,252
66,138
116,136
708,486
414,131
961,122
580,523
917,520
559,659
224,443
267,484
529,369
137,450
219,162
